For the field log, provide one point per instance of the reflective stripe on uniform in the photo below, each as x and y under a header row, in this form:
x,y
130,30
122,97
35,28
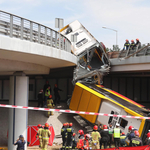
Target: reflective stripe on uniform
x,y
136,142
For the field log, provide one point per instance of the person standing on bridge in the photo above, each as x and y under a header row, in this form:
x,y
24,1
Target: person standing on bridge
x,y
47,94
138,44
56,94
126,45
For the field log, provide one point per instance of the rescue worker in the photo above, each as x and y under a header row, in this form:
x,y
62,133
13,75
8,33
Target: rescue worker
x,y
126,45
86,142
74,142
105,138
64,134
127,136
110,129
138,44
47,94
56,94
80,143
147,140
70,132
116,135
136,141
131,134
50,104
40,98
95,138
122,139
132,45
45,136
39,133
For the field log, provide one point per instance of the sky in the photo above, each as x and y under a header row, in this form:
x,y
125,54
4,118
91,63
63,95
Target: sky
x,y
130,18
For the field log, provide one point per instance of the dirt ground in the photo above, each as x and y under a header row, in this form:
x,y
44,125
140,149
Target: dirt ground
x,y
49,148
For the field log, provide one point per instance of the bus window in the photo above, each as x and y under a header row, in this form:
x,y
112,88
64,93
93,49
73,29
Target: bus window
x,y
69,30
110,118
123,123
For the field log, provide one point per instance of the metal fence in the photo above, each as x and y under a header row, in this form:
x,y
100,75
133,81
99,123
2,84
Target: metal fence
x,y
24,29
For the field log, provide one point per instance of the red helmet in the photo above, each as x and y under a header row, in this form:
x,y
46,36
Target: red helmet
x,y
123,133
137,39
64,124
86,136
136,133
95,127
39,125
127,40
130,128
104,126
148,134
50,96
132,40
73,134
67,124
46,125
81,132
70,124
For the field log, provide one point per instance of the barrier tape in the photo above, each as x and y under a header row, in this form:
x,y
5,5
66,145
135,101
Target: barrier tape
x,y
71,111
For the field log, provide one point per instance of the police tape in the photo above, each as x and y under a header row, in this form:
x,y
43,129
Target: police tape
x,y
71,111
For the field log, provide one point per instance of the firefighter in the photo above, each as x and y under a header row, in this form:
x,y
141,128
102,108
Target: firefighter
x,y
50,104
39,133
45,136
70,132
126,45
95,138
131,134
74,142
132,45
64,134
104,137
86,142
80,143
136,141
116,135
138,44
122,139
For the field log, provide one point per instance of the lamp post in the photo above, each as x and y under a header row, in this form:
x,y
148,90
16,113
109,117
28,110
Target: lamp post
x,y
73,39
59,23
112,30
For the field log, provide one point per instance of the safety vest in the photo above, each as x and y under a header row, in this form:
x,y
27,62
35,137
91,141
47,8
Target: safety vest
x,y
46,134
49,102
47,92
116,133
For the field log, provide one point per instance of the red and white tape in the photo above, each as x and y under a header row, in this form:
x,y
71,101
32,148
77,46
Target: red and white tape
x,y
70,111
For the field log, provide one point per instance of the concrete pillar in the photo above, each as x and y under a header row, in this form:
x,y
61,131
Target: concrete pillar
x,y
18,118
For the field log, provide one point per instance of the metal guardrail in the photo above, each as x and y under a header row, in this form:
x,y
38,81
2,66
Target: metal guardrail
x,y
24,29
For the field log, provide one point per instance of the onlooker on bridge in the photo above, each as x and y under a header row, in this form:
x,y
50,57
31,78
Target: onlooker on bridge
x,y
126,45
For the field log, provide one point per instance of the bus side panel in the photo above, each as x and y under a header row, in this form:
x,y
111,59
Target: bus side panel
x,y
84,101
93,106
76,96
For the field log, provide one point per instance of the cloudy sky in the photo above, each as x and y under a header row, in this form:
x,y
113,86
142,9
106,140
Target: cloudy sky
x,y
129,17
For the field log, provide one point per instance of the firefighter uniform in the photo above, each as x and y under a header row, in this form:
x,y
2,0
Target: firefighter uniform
x,y
45,137
64,135
80,143
70,132
136,142
39,133
50,104
95,139
74,142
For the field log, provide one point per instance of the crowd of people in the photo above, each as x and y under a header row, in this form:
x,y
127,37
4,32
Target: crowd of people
x,y
132,45
102,136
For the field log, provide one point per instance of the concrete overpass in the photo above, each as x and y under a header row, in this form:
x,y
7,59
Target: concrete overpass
x,y
28,48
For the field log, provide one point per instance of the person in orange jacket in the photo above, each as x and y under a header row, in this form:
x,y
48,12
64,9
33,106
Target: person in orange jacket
x,y
80,143
86,142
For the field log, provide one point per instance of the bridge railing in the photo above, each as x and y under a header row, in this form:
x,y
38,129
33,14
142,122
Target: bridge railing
x,y
24,29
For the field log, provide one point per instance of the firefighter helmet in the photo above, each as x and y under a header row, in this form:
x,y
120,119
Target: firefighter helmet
x,y
137,39
148,134
132,40
70,124
127,40
81,132
130,128
104,126
64,124
122,133
67,124
73,134
95,127
136,133
50,96
39,125
46,125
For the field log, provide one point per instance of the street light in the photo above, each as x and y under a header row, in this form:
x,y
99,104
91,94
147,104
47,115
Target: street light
x,y
59,23
116,34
